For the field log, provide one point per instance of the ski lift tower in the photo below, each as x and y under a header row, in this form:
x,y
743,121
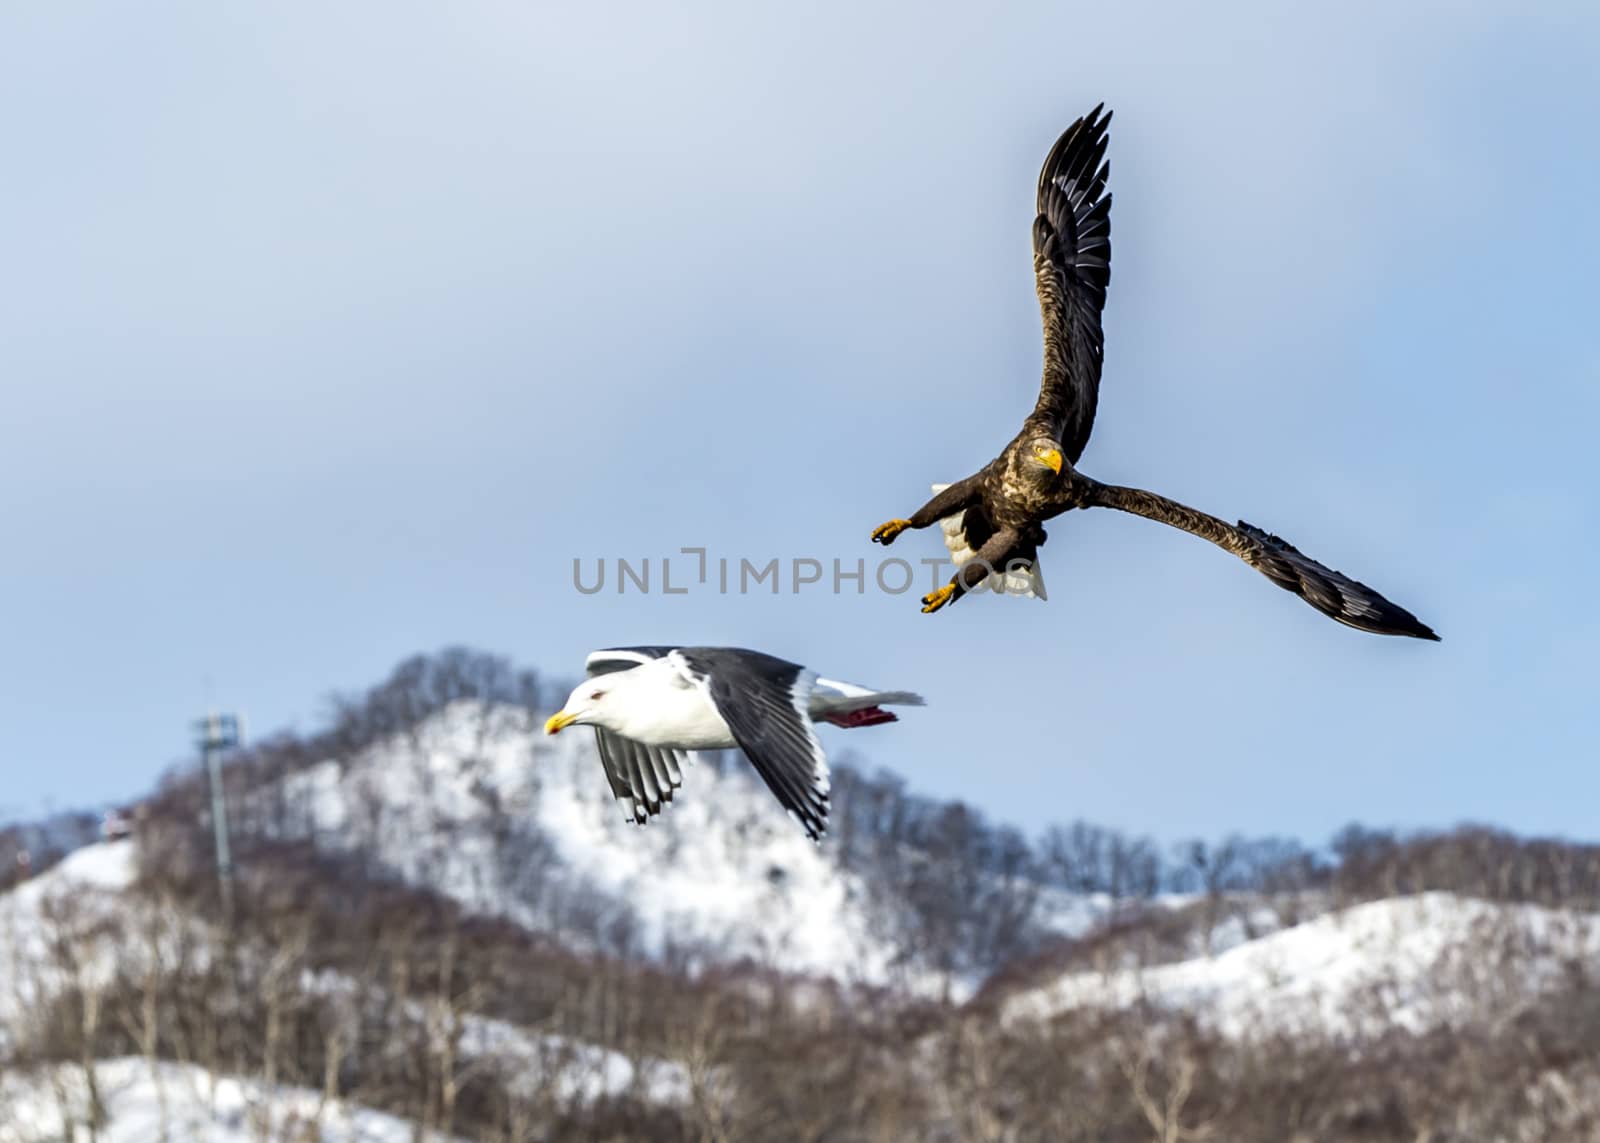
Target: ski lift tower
x,y
213,734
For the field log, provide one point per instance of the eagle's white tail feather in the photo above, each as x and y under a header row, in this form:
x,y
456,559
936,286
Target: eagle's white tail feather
x,y
1029,583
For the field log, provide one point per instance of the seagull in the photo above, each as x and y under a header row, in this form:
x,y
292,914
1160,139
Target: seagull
x,y
992,520
650,704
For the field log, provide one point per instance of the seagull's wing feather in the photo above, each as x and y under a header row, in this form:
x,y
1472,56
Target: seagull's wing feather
x,y
1071,270
642,777
613,659
614,759
764,700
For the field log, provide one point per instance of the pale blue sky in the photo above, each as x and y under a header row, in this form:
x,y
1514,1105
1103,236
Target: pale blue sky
x,y
327,336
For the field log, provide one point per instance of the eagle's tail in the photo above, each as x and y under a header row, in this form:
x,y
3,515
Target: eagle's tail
x,y
1028,582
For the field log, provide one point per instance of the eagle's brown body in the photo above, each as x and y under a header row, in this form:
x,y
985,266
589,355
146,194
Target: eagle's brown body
x,y
1005,503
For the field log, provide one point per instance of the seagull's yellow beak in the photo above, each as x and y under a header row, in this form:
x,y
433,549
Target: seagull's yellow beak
x,y
557,722
1053,459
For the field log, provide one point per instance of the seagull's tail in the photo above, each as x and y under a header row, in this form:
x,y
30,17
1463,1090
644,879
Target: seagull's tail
x,y
851,706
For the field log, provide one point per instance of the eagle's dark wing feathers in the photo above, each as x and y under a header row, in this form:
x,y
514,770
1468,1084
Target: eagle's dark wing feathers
x,y
1071,268
1333,593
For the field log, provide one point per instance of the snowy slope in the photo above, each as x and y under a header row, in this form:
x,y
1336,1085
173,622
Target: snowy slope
x,y
573,1071
104,866
78,898
85,902
1425,961
478,804
182,1104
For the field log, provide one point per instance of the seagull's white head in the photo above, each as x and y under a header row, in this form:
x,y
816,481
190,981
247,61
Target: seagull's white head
x,y
588,705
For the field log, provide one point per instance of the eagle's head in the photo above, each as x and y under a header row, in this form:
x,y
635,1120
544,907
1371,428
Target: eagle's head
x,y
1042,460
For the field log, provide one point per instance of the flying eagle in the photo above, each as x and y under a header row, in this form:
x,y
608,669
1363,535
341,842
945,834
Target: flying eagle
x,y
650,704
992,519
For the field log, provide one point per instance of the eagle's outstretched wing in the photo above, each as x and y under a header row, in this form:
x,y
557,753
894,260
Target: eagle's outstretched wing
x,y
1333,593
1071,268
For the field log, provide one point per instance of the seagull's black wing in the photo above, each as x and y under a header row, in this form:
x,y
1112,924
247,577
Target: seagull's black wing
x,y
764,700
1071,269
642,777
611,659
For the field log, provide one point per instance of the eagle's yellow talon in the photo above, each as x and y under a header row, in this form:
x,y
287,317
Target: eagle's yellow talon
x,y
938,599
885,533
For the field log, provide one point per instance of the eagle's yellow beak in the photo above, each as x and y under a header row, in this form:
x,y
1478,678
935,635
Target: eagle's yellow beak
x,y
1053,459
556,722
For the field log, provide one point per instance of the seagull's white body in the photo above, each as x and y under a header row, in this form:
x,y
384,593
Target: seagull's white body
x,y
657,703
648,704
661,703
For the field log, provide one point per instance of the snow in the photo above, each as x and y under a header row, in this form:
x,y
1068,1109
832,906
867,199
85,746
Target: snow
x,y
1070,914
1240,927
78,897
570,1070
182,1104
84,897
574,1071
106,866
469,802
1430,960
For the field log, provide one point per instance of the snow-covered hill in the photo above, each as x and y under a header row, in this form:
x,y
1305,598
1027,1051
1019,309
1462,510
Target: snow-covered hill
x,y
82,926
1422,961
476,803
181,1104
76,902
596,1010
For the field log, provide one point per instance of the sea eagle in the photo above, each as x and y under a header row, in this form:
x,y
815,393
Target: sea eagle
x,y
650,704
992,519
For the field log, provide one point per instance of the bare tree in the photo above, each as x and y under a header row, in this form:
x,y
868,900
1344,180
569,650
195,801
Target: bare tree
x,y
1163,1094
